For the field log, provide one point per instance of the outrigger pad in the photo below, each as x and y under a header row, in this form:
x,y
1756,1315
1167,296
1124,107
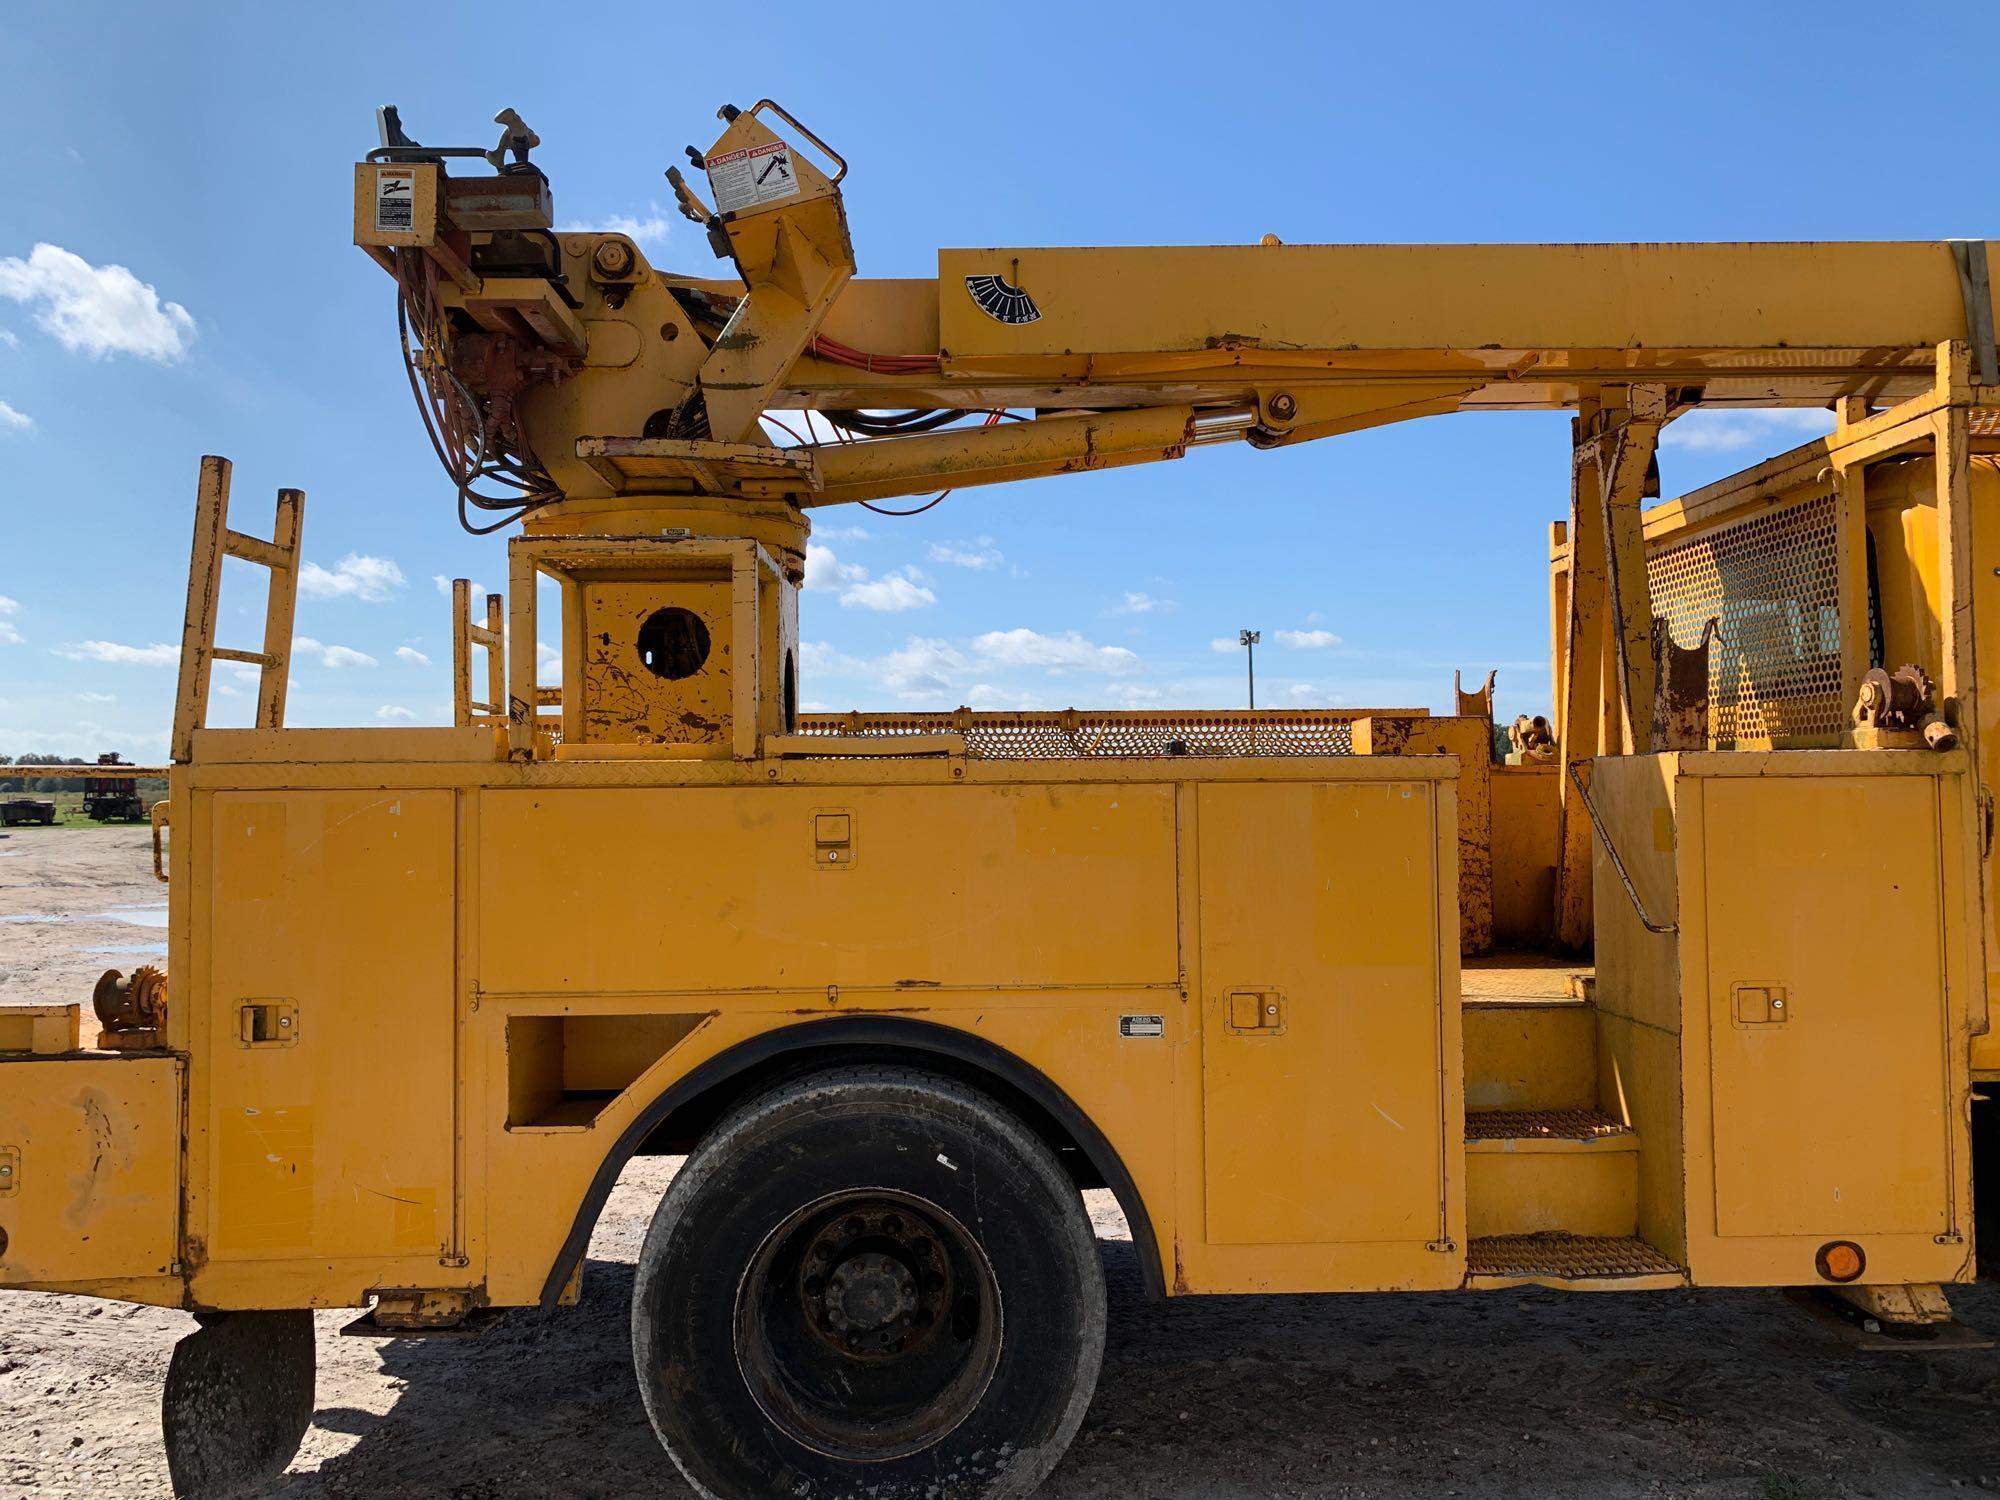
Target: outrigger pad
x,y
238,1400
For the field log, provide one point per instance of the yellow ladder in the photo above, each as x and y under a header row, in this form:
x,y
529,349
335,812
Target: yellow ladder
x,y
213,541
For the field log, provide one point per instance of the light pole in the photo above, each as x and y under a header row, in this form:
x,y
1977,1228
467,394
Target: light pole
x,y
1248,640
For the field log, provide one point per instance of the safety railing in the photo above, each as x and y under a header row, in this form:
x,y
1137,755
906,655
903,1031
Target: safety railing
x,y
1767,572
490,637
469,634
1070,734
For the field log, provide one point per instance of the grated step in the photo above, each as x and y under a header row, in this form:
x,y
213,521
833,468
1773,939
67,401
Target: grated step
x,y
1568,1257
1542,1125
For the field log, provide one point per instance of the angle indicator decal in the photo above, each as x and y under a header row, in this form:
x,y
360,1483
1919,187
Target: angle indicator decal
x,y
1001,302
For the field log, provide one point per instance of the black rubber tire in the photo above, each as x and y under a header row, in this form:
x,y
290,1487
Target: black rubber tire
x,y
907,1132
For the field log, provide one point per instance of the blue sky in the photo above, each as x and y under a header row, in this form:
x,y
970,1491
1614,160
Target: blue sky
x,y
188,168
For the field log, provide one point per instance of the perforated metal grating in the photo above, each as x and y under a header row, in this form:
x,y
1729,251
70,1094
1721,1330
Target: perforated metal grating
x,y
1769,580
1540,1125
1569,1257
1075,734
1984,421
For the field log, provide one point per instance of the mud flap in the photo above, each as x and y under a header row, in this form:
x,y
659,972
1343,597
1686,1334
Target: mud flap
x,y
238,1400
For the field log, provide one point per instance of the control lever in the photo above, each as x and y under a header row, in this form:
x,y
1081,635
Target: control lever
x,y
517,138
690,205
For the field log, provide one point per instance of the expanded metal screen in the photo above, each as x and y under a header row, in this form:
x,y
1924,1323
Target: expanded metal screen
x,y
1077,734
1770,581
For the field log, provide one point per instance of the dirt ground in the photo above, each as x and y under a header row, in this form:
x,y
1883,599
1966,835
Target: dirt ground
x,y
1713,1394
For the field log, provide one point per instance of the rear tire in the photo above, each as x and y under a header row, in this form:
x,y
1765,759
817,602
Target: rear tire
x,y
870,1280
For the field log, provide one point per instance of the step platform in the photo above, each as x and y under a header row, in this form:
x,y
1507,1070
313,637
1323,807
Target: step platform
x,y
1569,1262
1542,1125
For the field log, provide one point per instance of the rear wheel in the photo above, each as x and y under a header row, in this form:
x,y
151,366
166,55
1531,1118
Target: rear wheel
x,y
871,1280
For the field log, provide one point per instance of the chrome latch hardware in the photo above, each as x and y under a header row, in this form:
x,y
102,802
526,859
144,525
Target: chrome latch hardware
x,y
268,1023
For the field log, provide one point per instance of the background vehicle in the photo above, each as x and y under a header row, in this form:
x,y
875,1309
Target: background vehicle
x,y
21,810
113,799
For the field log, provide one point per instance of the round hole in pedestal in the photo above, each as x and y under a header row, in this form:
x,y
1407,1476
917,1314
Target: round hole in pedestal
x,y
673,643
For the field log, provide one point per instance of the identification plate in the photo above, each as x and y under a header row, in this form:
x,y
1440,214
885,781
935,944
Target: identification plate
x,y
1142,1025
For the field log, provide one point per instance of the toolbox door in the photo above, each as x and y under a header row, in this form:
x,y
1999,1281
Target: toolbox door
x,y
1323,1031
90,1168
1827,1016
327,1103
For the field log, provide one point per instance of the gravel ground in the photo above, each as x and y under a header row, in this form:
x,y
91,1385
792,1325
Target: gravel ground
x,y
1713,1394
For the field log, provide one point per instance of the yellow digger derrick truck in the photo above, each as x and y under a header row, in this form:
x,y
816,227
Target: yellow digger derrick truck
x,y
1302,989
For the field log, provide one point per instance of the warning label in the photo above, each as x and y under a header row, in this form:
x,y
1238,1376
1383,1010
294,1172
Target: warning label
x,y
754,176
395,198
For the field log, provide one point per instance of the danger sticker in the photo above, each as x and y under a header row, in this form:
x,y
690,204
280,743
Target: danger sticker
x,y
395,198
752,177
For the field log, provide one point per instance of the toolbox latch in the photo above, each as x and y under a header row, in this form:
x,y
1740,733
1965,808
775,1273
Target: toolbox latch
x,y
268,1023
1256,1012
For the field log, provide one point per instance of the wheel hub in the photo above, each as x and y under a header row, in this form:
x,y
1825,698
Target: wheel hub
x,y
870,1292
873,1283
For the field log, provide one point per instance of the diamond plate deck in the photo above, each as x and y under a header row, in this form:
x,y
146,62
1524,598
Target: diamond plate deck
x,y
1565,1257
1541,1125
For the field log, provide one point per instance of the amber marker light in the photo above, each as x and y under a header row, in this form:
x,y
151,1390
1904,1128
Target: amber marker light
x,y
1840,1260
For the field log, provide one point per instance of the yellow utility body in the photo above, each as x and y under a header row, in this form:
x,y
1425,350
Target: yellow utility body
x,y
1689,989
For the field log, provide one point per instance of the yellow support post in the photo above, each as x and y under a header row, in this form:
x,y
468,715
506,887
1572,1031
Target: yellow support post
x,y
1582,679
211,519
280,609
1624,456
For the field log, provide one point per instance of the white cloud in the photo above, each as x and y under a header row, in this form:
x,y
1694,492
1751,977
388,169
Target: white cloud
x,y
97,310
1721,430
978,555
1225,643
9,338
978,674
413,656
14,421
986,695
1068,652
1306,640
650,230
1142,604
331,656
355,576
157,655
894,591
825,570
9,636
394,711
548,664
821,659
841,533
1133,694
922,667
98,697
